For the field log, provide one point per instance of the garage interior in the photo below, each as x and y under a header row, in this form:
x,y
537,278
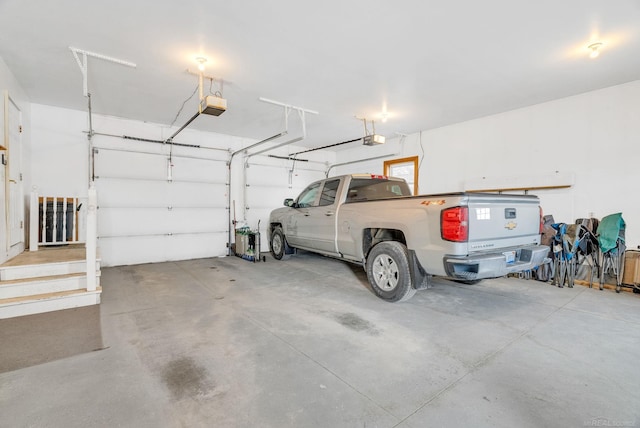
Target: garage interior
x,y
137,138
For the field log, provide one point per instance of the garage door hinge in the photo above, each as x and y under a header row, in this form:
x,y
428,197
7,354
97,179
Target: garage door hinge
x,y
20,129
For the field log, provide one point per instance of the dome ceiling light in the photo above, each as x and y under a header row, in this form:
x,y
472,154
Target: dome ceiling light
x,y
595,49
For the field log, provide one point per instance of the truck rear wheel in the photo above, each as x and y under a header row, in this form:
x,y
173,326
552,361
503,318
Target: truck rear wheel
x,y
278,244
388,271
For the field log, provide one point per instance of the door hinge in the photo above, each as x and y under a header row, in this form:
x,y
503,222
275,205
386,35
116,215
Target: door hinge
x,y
20,176
21,224
20,129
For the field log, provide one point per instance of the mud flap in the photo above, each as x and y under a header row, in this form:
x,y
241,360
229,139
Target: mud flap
x,y
420,279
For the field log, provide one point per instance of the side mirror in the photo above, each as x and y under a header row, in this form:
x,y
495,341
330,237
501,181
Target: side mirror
x,y
288,202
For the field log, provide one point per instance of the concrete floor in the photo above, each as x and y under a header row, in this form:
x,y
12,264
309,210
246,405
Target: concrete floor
x,y
304,343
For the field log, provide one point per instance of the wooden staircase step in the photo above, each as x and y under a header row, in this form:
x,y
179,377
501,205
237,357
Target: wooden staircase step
x,y
43,270
47,302
45,284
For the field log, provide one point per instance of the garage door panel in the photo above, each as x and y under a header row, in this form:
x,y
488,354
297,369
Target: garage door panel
x,y
150,249
130,251
129,222
278,175
268,186
111,163
187,169
196,246
196,220
131,193
196,194
267,175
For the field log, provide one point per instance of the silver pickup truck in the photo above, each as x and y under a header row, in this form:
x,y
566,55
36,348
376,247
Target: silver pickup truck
x,y
403,240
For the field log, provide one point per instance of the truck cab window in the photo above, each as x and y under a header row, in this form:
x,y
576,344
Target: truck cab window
x,y
328,195
308,196
396,190
371,189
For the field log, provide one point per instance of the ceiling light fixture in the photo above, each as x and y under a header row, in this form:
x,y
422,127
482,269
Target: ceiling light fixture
x,y
595,49
384,115
201,60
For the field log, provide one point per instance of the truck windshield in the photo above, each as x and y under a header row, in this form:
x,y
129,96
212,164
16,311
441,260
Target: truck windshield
x,y
368,189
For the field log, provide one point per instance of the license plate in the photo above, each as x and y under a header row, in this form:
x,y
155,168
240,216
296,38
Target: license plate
x,y
510,257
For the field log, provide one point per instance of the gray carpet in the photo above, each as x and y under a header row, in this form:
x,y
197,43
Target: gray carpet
x,y
36,339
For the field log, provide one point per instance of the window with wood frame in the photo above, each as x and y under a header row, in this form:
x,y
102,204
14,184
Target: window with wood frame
x,y
406,168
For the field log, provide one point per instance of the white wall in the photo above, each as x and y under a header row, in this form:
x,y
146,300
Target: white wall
x,y
9,83
592,138
60,151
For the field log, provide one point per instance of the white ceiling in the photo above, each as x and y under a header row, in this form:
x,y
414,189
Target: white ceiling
x,y
432,63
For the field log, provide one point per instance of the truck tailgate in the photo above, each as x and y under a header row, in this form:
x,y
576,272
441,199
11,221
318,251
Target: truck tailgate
x,y
502,222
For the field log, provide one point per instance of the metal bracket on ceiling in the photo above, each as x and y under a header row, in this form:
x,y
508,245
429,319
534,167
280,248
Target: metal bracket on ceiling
x,y
83,64
287,110
201,77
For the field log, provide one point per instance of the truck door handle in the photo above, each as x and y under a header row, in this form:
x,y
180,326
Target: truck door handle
x,y
329,213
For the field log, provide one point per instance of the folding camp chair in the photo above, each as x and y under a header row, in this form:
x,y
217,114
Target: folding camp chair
x,y
544,272
576,249
560,252
570,244
612,247
587,247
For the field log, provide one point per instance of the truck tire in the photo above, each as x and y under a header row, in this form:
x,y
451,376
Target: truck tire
x,y
278,244
388,272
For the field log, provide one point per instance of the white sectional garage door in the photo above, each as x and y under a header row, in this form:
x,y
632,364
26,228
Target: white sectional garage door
x,y
268,183
144,217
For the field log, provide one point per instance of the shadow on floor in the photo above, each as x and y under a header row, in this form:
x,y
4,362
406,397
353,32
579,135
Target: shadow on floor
x,y
36,339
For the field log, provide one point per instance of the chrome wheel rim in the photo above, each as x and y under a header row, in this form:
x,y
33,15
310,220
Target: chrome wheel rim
x,y
385,272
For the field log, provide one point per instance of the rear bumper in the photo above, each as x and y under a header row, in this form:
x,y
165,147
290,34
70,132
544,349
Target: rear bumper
x,y
495,264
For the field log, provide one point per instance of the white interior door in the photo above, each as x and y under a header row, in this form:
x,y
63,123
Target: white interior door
x,y
4,185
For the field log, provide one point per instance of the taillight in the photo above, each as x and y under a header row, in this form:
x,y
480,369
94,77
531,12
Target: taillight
x,y
541,221
454,224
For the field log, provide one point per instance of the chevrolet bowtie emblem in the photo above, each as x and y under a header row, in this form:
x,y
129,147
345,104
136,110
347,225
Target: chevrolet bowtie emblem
x,y
511,225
